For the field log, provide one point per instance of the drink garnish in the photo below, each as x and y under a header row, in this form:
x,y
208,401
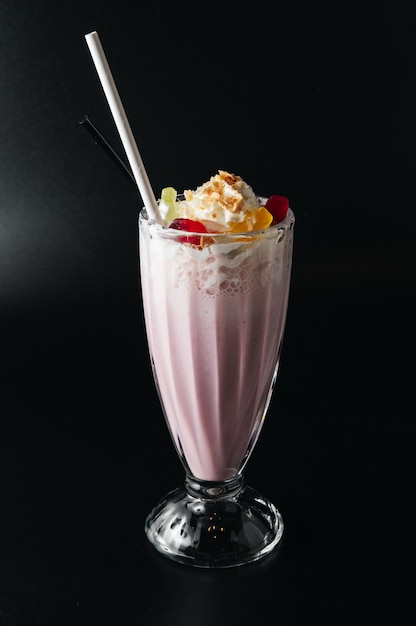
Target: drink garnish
x,y
191,226
278,206
223,204
169,196
255,220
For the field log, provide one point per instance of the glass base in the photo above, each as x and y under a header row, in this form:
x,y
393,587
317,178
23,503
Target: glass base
x,y
208,524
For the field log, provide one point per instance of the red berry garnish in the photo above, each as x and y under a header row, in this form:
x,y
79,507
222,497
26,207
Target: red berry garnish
x,y
192,226
278,207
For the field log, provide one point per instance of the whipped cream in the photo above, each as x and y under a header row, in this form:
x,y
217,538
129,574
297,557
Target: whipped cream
x,y
220,203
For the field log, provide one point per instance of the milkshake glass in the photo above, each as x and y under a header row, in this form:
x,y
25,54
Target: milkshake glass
x,y
215,308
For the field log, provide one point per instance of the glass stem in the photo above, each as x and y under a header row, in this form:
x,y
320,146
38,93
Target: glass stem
x,y
209,490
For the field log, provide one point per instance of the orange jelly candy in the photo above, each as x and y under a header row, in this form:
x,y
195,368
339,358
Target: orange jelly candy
x,y
256,220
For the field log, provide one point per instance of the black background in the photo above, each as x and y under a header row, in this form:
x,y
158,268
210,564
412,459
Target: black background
x,y
313,100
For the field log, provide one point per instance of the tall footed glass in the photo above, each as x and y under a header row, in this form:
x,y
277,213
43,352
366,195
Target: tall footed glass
x,y
215,309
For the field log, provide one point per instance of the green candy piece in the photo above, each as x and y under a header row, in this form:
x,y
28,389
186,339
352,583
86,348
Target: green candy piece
x,y
169,196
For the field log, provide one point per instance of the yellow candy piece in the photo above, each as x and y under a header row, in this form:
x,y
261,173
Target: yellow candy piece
x,y
256,220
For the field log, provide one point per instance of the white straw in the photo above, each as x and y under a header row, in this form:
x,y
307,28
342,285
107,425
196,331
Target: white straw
x,y
123,126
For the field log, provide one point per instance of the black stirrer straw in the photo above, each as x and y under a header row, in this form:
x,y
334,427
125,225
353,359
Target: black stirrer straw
x,y
100,140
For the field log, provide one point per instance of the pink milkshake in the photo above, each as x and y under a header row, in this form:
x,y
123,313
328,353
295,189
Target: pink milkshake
x,y
215,318
215,300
